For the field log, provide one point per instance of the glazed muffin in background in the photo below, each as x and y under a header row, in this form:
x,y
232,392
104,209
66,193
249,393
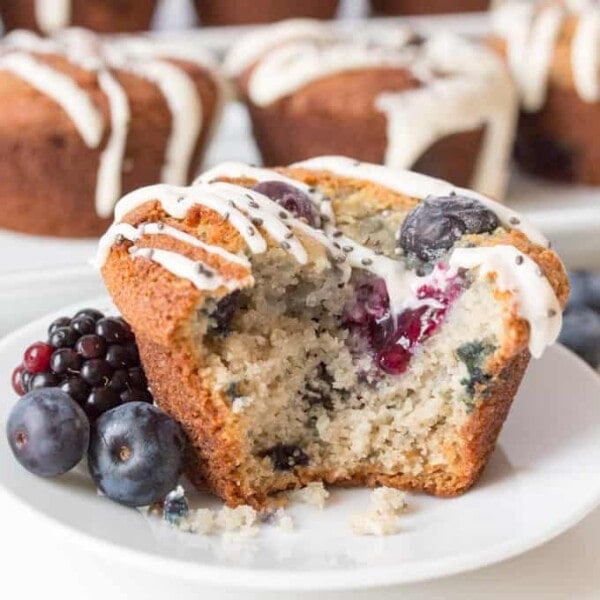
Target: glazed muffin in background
x,y
84,120
245,12
427,7
103,16
332,321
553,50
443,106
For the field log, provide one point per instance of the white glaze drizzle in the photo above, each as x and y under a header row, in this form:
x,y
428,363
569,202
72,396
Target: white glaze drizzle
x,y
474,91
418,186
248,210
51,15
88,51
531,33
62,89
535,300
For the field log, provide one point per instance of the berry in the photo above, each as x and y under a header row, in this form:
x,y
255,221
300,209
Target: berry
x,y
287,456
37,357
223,313
63,337
175,506
134,395
92,313
60,322
136,454
585,290
118,357
83,325
65,360
91,357
114,331
17,380
581,334
434,225
96,371
48,432
43,380
91,346
99,401
292,199
76,388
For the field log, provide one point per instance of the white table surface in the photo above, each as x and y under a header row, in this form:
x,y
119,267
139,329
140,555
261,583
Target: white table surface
x,y
567,567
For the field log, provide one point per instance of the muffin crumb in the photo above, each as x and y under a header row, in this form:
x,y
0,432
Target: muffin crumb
x,y
382,519
314,494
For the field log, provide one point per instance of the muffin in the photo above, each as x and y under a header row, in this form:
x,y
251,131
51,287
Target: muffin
x,y
245,12
553,50
418,7
332,321
443,106
47,16
85,120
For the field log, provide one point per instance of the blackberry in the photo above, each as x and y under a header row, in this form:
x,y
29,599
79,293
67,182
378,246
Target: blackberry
x,y
92,358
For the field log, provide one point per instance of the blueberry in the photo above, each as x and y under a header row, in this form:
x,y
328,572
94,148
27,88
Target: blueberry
x,y
292,199
434,225
579,289
581,333
286,456
48,432
136,454
594,291
223,313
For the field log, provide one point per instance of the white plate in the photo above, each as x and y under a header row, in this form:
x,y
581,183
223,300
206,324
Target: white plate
x,y
543,478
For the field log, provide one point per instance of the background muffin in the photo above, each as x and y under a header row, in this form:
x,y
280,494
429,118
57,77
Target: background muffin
x,y
553,50
443,106
420,7
82,122
46,16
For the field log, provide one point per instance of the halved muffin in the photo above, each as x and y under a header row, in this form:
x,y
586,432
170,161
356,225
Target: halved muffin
x,y
332,321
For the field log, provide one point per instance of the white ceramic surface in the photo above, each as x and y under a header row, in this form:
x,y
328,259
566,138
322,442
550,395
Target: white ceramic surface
x,y
543,478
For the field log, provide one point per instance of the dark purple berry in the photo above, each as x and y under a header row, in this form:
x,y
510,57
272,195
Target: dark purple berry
x,y
95,371
137,378
60,322
91,346
99,401
92,313
223,314
43,380
118,357
134,353
48,432
63,337
119,381
65,360
76,388
136,395
17,380
83,325
585,290
136,453
287,456
581,334
113,330
292,199
436,224
36,358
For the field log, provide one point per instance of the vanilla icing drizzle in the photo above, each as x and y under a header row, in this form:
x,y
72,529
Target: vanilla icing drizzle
x,y
255,216
463,87
532,32
89,52
51,15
